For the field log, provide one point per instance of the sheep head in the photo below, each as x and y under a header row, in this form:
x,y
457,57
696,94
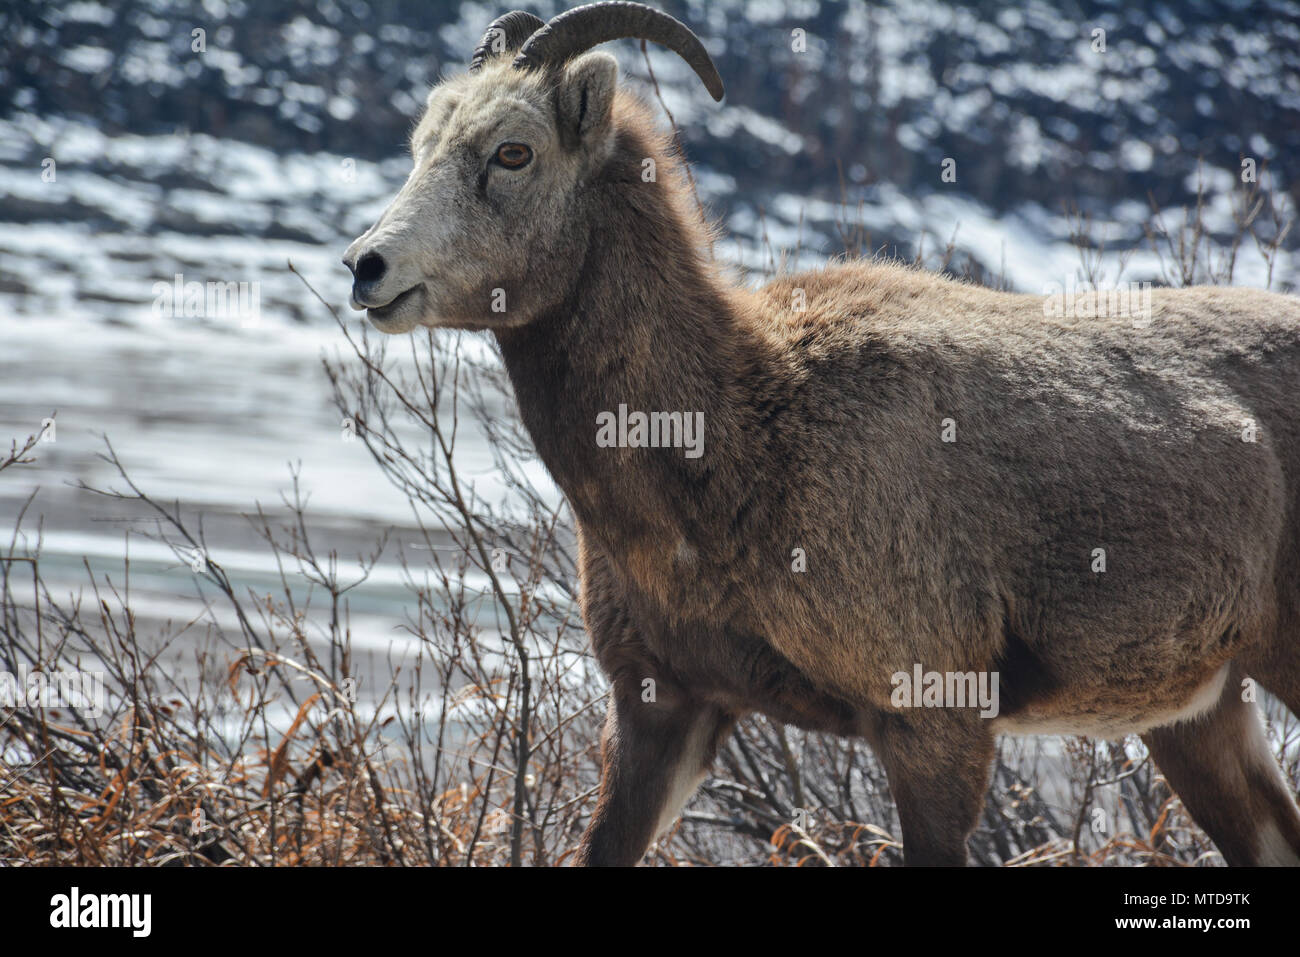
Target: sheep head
x,y
490,226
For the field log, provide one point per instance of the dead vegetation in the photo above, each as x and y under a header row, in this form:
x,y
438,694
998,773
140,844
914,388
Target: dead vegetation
x,y
478,746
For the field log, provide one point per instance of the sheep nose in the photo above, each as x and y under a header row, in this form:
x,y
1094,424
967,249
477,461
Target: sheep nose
x,y
367,273
370,269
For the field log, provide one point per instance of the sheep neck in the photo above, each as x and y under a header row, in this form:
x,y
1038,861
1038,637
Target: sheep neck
x,y
649,327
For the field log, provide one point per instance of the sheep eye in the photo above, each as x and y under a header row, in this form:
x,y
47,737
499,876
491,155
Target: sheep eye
x,y
513,155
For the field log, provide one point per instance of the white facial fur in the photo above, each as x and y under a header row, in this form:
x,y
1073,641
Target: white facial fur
x,y
467,242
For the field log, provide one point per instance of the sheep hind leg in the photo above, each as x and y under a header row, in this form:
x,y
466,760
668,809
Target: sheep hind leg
x,y
1220,765
1279,671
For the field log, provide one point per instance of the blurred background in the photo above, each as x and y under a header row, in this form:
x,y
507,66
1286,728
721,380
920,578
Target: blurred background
x,y
146,144
133,149
144,139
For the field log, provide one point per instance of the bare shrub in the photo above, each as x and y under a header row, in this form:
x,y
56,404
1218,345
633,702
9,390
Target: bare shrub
x,y
478,744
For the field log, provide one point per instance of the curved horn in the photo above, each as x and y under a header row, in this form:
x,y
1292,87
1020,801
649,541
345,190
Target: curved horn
x,y
514,27
584,27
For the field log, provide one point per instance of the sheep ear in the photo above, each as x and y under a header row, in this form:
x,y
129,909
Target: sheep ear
x,y
585,99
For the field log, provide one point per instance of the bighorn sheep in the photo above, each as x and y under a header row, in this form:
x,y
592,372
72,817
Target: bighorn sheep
x,y
899,471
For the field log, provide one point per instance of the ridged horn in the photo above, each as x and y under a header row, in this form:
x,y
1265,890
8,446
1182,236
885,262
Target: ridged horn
x,y
582,28
514,27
